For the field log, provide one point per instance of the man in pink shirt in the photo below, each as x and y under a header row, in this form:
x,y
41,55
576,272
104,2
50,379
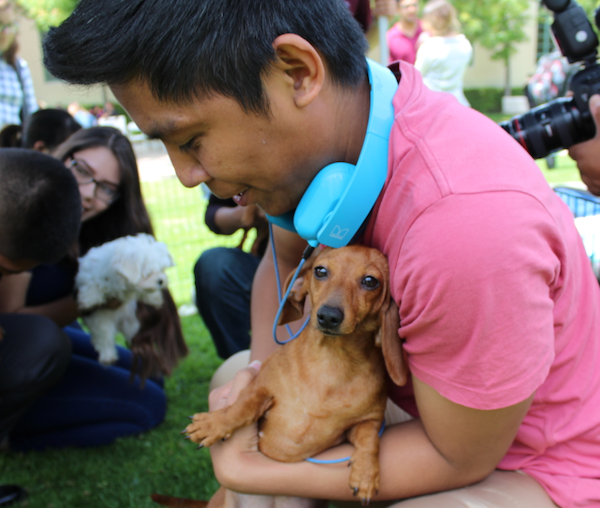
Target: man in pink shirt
x,y
497,300
403,36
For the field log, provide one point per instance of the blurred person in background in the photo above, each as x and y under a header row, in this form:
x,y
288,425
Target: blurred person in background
x,y
587,154
44,131
92,404
445,53
82,115
403,36
223,276
17,96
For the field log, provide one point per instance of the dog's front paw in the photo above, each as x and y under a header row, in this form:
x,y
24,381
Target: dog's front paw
x,y
208,428
364,481
108,356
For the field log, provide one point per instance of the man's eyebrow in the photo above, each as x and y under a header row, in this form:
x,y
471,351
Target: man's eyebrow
x,y
159,132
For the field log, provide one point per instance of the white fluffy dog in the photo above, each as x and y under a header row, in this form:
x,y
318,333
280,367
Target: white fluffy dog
x,y
126,270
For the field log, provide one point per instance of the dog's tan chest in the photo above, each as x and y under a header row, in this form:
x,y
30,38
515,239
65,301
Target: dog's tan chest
x,y
305,420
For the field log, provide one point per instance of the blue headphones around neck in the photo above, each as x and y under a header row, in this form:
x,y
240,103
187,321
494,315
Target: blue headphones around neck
x,y
341,196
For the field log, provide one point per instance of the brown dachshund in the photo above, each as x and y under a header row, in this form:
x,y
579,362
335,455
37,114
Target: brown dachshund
x,y
328,385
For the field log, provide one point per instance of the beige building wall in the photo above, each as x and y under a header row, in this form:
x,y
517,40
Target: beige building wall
x,y
53,93
487,73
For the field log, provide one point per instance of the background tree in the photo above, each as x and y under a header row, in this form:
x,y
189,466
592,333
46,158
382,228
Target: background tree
x,y
497,26
47,13
590,6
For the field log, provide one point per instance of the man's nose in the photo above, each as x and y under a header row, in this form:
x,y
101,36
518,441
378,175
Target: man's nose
x,y
189,171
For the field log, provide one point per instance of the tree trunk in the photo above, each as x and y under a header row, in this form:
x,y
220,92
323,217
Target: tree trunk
x,y
507,80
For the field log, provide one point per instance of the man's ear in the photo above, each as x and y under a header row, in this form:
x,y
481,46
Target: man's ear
x,y
302,64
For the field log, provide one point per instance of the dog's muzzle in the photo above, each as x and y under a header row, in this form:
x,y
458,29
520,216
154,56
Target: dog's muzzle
x,y
330,318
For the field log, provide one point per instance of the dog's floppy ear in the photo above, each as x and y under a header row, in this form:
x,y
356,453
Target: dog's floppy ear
x,y
293,308
128,266
387,338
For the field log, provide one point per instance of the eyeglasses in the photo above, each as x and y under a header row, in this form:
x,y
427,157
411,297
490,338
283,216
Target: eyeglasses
x,y
103,191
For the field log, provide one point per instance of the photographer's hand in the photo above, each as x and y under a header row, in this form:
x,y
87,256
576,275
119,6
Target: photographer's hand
x,y
587,154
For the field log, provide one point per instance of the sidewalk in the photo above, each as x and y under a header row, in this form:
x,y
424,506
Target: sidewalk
x,y
153,161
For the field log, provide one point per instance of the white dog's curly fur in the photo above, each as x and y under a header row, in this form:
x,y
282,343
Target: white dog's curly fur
x,y
128,269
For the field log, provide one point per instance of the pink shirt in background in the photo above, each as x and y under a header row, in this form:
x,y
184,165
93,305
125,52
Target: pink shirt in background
x,y
402,47
496,294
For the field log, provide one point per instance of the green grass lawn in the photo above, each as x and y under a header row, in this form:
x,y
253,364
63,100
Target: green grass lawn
x,y
126,472
177,215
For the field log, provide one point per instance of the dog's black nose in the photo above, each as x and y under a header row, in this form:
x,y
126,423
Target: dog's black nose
x,y
330,317
160,282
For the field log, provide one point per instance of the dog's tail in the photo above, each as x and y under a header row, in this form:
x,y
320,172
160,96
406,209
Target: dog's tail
x,y
175,502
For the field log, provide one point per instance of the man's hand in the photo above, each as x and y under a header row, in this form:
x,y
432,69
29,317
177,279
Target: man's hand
x,y
587,154
252,217
227,394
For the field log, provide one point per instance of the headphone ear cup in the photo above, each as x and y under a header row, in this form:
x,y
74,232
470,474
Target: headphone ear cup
x,y
285,221
320,199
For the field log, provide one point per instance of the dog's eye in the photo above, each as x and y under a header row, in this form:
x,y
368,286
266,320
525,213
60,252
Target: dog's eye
x,y
320,272
370,282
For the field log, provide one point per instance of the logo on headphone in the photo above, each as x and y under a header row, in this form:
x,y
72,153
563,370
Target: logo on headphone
x,y
339,233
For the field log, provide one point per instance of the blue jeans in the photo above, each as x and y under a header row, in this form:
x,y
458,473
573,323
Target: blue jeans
x,y
223,280
34,355
91,405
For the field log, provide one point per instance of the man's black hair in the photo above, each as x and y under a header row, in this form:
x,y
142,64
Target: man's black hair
x,y
184,49
40,206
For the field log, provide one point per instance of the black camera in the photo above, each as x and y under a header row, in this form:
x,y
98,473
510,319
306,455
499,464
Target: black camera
x,y
566,121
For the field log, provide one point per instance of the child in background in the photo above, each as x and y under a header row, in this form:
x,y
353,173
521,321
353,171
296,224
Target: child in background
x,y
443,55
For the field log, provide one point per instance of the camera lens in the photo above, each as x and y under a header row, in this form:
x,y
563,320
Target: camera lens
x,y
547,128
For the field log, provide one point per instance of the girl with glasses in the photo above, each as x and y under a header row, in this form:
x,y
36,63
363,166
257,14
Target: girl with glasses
x,y
104,165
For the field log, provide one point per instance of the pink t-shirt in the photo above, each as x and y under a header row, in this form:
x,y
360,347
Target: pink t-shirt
x,y
496,294
402,47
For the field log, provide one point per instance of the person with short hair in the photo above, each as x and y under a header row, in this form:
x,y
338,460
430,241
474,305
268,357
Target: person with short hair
x,y
44,131
497,300
35,227
40,212
48,128
403,36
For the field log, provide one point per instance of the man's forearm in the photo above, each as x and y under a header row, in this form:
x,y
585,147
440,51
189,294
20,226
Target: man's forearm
x,y
265,303
409,466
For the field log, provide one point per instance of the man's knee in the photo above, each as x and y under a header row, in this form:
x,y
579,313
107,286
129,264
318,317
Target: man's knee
x,y
34,348
209,270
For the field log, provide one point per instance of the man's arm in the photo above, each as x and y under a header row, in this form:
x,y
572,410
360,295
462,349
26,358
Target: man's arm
x,y
587,154
13,293
264,303
451,446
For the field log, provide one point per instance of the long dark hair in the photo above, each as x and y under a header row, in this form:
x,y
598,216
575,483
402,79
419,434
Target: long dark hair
x,y
128,214
159,345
